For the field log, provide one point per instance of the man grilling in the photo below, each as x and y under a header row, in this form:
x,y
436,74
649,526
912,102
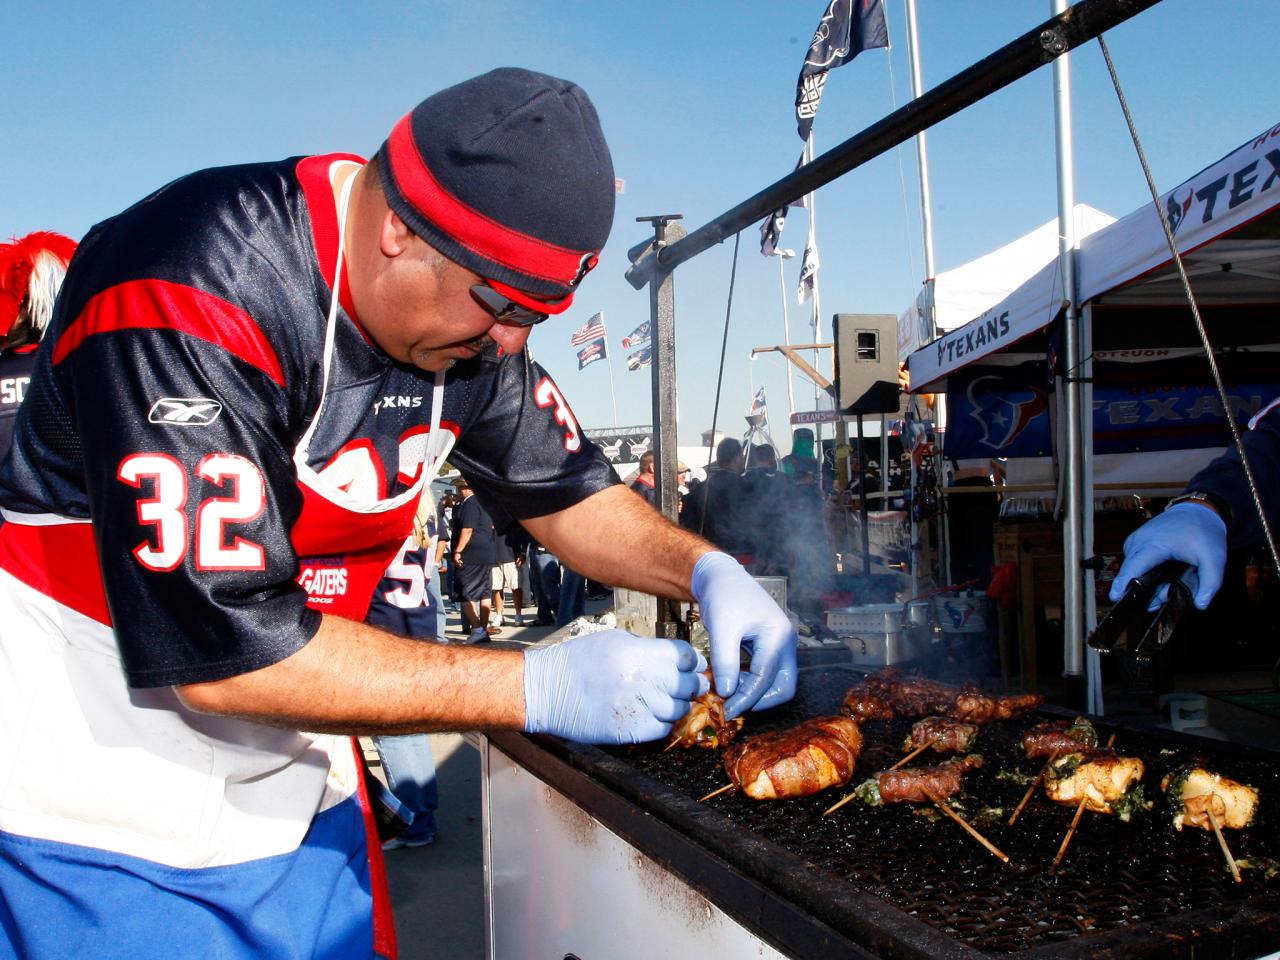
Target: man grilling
x,y
250,379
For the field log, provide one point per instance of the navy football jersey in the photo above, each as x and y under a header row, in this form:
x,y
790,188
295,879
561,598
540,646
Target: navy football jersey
x,y
15,375
182,367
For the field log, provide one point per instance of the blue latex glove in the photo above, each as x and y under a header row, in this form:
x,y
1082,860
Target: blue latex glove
x,y
610,687
738,613
1187,532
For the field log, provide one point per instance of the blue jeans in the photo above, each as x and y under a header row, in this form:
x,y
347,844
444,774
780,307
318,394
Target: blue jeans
x,y
544,577
411,775
407,760
573,596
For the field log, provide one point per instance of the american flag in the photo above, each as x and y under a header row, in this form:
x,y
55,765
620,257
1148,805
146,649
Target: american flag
x,y
594,329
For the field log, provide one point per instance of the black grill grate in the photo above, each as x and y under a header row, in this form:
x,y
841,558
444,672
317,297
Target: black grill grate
x,y
1135,877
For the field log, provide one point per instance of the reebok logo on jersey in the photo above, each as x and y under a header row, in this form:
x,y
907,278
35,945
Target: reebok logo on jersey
x,y
185,411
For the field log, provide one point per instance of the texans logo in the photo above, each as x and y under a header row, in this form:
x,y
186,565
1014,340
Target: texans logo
x,y
1177,212
1004,414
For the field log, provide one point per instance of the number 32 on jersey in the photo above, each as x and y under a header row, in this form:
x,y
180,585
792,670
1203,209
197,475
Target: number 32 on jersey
x,y
165,511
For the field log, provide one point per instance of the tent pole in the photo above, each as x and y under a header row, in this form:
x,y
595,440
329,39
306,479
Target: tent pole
x,y
1073,526
1093,663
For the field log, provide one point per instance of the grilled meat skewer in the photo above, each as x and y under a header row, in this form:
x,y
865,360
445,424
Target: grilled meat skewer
x,y
942,735
1196,793
861,704
797,762
918,784
1045,740
889,693
974,706
1103,780
705,725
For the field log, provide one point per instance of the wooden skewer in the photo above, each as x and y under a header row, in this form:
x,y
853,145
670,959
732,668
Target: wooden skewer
x,y
1062,850
1026,797
965,823
840,803
914,753
1222,842
715,793
672,745
910,756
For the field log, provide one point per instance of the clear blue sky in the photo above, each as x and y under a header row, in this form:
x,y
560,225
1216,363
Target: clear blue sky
x,y
106,101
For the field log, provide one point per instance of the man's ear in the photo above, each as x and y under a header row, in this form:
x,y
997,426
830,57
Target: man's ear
x,y
394,235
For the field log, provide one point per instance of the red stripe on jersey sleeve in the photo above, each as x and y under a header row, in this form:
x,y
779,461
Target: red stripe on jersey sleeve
x,y
470,227
60,561
162,305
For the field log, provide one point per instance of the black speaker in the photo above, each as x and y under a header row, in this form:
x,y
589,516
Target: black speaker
x,y
866,362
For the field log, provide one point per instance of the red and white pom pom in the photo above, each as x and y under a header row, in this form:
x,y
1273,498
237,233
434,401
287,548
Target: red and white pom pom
x,y
31,272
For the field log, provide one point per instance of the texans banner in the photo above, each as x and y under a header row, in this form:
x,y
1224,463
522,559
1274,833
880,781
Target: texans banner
x,y
593,351
592,329
846,29
639,337
1001,412
641,358
1004,411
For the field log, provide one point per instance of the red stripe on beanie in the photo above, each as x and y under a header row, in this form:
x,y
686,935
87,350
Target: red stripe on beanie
x,y
471,228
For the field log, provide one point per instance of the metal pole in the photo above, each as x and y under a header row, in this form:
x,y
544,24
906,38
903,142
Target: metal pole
x,y
662,326
922,159
862,501
1073,525
1014,60
783,255
926,222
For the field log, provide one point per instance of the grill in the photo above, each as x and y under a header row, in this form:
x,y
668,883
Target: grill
x,y
895,882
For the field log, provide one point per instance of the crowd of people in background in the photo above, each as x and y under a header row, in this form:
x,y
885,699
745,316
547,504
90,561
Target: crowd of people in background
x,y
765,512
480,567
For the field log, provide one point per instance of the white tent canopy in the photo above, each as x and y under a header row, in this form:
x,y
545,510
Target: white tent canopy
x,y
1230,197
961,294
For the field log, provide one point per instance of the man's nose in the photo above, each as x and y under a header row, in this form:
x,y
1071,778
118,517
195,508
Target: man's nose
x,y
510,338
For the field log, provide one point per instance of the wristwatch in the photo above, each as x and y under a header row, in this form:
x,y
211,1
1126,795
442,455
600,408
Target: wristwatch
x,y
1208,499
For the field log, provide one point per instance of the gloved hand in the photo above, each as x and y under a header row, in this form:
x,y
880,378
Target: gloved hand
x,y
1187,532
610,687
738,613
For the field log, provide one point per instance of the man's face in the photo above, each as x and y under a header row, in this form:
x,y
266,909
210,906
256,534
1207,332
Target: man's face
x,y
421,312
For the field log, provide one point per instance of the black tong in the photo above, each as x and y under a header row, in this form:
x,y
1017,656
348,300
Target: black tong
x,y
1121,630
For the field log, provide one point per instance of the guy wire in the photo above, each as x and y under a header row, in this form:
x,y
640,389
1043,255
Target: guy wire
x,y
1195,309
715,410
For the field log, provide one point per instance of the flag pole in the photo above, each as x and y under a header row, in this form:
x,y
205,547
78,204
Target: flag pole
x,y
612,393
816,322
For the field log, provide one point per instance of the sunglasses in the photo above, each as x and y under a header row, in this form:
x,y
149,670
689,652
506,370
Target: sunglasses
x,y
505,310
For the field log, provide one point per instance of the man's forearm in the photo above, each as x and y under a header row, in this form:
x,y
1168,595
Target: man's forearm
x,y
464,537
355,679
616,538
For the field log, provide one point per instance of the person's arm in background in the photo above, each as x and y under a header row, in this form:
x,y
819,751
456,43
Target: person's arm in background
x,y
616,538
1199,532
460,544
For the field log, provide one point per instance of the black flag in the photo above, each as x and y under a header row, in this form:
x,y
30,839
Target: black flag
x,y
847,28
771,229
